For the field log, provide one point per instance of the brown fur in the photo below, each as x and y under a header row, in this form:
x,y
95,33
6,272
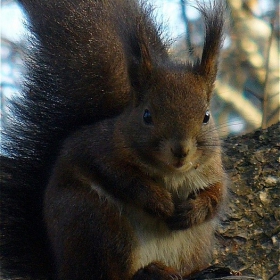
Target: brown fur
x,y
124,168
159,185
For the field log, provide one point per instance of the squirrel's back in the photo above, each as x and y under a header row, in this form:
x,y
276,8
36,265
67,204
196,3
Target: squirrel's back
x,y
79,64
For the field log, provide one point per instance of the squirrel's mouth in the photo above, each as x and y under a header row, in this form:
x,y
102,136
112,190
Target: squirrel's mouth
x,y
179,164
182,165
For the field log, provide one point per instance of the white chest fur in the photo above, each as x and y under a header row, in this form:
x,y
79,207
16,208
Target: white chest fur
x,y
184,250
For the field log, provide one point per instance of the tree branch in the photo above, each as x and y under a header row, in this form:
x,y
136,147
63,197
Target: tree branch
x,y
250,236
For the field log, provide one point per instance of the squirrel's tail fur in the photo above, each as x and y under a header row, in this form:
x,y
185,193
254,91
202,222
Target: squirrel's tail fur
x,y
79,69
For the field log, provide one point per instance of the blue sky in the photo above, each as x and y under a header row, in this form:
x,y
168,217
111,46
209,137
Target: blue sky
x,y
12,22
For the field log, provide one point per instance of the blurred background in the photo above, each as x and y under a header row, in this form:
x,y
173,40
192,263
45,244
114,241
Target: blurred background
x,y
247,89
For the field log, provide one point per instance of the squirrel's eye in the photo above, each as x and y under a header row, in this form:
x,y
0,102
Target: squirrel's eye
x,y
206,117
147,117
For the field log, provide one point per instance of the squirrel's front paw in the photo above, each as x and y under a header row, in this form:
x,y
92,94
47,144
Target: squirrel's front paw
x,y
192,211
157,271
160,204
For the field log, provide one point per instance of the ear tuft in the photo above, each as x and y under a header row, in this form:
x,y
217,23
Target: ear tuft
x,y
141,68
145,57
214,24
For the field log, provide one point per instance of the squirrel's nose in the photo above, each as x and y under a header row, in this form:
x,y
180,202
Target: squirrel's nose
x,y
179,151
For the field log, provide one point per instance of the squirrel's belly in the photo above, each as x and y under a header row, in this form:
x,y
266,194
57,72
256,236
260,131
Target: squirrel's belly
x,y
185,250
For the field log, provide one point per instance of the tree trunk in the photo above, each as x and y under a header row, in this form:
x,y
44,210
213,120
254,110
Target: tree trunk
x,y
249,238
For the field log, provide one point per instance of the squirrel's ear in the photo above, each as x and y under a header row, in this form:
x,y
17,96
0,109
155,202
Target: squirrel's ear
x,y
141,70
214,24
145,57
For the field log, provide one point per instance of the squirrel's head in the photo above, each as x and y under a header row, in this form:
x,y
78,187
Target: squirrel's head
x,y
171,128
169,124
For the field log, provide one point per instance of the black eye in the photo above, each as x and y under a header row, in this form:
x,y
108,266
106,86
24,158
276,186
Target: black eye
x,y
206,117
147,117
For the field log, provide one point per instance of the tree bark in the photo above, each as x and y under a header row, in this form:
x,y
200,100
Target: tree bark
x,y
249,238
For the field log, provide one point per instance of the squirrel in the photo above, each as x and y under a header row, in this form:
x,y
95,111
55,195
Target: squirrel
x,y
112,163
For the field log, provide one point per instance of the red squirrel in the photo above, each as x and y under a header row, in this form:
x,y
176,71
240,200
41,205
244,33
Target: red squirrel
x,y
113,167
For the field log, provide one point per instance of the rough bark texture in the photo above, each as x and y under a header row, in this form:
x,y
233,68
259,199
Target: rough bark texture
x,y
250,236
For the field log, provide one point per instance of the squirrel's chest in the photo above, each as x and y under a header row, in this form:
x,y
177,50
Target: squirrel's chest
x,y
185,250
178,249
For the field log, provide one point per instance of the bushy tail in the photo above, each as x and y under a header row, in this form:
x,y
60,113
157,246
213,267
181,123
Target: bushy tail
x,y
77,68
